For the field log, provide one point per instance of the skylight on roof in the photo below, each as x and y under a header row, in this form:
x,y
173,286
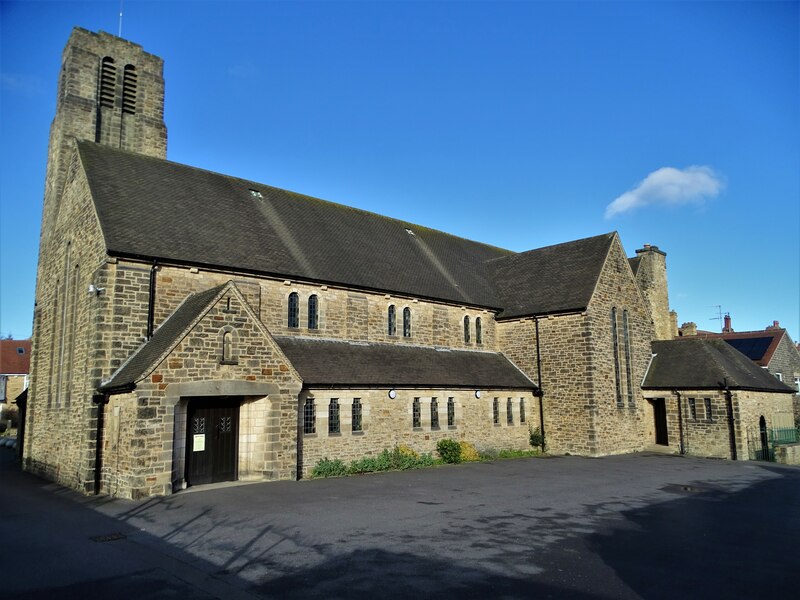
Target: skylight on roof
x,y
256,194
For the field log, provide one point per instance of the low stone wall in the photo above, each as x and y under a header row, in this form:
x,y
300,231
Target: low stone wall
x,y
788,454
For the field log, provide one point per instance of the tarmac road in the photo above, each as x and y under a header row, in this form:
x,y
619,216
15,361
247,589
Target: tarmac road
x,y
635,526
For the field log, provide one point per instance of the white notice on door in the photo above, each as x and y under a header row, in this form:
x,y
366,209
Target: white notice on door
x,y
199,442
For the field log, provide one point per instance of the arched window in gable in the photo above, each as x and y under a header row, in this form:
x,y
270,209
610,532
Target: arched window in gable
x,y
392,320
466,329
313,312
615,351
626,344
294,310
227,347
478,331
406,322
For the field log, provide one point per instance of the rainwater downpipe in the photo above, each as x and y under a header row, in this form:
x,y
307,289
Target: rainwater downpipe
x,y
151,300
680,423
731,425
100,400
540,391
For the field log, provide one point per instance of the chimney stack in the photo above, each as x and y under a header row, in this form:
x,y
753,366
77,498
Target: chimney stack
x,y
775,325
727,328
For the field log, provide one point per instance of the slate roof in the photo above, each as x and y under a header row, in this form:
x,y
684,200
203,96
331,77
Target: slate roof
x,y
153,208
758,346
12,361
350,364
700,364
558,278
163,339
634,263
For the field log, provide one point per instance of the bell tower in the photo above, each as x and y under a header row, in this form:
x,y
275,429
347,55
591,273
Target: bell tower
x,y
110,91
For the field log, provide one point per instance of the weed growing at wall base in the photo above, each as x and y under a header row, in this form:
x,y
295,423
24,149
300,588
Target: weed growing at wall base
x,y
398,459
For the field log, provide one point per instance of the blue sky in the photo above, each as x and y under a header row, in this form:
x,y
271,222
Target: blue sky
x,y
519,124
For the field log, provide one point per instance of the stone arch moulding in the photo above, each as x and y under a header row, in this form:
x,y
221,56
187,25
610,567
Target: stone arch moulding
x,y
175,391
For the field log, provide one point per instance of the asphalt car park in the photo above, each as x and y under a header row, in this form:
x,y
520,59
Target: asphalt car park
x,y
633,526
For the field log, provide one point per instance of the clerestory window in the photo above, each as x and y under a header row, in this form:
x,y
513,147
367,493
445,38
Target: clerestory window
x,y
313,312
294,310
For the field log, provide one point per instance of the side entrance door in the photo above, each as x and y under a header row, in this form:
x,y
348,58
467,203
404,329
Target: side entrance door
x,y
212,444
660,415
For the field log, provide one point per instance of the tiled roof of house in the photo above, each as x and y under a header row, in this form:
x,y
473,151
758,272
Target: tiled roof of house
x,y
758,346
352,364
163,339
155,209
15,357
697,363
558,278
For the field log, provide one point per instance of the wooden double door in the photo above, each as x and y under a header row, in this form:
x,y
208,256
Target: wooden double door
x,y
212,439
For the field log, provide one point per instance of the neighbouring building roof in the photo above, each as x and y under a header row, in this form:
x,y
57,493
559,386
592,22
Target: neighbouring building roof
x,y
352,364
15,357
557,278
162,341
758,346
697,364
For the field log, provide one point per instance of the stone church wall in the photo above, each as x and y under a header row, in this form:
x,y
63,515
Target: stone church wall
x,y
566,377
68,321
388,422
343,314
619,425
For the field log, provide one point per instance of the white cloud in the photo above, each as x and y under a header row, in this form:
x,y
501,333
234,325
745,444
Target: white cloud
x,y
23,84
670,186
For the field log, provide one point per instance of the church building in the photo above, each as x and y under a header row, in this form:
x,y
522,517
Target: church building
x,y
192,327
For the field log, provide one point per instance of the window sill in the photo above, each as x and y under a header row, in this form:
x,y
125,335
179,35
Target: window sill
x,y
309,435
333,434
229,362
357,432
452,427
416,429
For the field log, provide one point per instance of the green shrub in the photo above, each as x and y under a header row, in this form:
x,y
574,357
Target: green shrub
x,y
329,468
399,459
537,438
449,450
468,452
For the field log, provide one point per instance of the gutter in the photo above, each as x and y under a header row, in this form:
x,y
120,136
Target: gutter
x,y
681,448
100,400
151,299
539,392
731,423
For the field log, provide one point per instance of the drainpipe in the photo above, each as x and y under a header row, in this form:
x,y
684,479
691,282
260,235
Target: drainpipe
x,y
100,400
731,427
151,300
540,391
680,423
